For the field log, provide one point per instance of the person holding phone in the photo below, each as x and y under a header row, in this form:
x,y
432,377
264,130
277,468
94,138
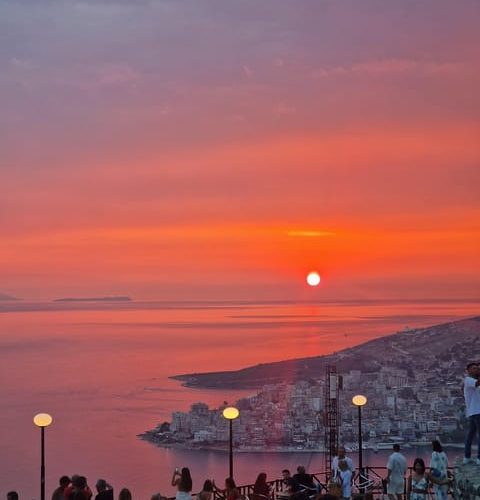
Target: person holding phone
x,y
183,481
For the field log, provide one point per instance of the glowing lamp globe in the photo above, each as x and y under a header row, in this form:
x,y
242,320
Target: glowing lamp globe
x,y
359,400
231,413
313,278
42,420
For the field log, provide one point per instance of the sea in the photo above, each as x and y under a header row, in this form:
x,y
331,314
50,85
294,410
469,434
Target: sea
x,y
102,371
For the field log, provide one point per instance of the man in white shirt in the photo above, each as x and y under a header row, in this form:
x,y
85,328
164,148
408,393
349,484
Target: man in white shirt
x,y
397,467
342,455
471,391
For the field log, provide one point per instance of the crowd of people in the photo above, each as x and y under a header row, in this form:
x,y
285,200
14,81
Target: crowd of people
x,y
302,486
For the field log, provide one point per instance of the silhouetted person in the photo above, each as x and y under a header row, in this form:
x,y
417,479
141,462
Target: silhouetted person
x,y
207,491
303,479
59,493
231,491
124,494
261,487
79,489
286,476
105,491
183,482
290,486
12,495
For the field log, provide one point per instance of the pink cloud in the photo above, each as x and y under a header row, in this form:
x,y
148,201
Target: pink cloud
x,y
396,66
118,74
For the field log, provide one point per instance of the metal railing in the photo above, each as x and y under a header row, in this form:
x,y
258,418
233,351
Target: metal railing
x,y
369,484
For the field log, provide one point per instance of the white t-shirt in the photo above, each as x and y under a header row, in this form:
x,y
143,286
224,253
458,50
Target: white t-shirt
x,y
397,463
349,461
472,396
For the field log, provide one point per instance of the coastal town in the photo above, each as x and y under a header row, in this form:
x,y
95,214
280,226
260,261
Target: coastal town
x,y
410,403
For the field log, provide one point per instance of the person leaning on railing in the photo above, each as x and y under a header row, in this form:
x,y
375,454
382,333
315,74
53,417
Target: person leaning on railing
x,y
305,482
289,484
291,488
231,492
158,496
207,491
303,479
261,490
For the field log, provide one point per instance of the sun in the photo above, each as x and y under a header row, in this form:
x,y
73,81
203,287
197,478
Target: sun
x,y
313,278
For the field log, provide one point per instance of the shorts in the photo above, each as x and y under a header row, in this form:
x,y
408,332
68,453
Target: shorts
x,y
395,488
183,495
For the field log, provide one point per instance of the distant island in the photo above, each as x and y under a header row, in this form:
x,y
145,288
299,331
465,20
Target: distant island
x,y
4,296
95,299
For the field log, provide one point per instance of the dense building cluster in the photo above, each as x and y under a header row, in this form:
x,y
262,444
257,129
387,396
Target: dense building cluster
x,y
410,405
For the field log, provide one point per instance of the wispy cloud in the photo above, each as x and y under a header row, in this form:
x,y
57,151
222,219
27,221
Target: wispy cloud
x,y
393,66
118,74
247,71
309,233
259,144
283,108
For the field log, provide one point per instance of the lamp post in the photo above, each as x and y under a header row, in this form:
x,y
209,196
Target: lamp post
x,y
42,420
231,413
359,400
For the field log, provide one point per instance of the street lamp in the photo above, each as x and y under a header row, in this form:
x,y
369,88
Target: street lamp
x,y
231,413
359,400
42,420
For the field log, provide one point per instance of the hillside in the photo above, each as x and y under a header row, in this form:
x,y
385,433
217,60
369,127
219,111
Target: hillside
x,y
456,342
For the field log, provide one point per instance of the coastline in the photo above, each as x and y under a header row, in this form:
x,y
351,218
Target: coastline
x,y
219,448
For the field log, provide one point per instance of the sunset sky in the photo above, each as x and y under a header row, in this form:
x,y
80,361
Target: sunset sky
x,y
222,149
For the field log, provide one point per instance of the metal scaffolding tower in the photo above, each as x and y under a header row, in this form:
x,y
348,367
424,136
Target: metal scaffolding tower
x,y
332,418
